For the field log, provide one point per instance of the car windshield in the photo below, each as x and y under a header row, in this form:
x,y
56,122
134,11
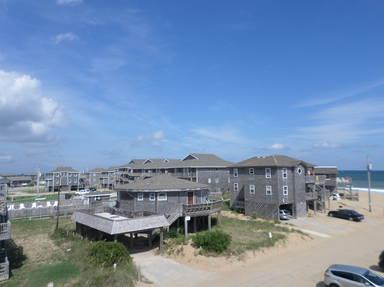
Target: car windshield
x,y
374,278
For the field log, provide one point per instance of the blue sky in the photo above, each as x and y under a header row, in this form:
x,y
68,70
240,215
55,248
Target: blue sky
x,y
95,83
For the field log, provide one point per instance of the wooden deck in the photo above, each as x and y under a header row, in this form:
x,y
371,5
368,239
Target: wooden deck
x,y
202,209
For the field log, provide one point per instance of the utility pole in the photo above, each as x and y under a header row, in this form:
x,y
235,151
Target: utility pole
x,y
369,168
58,210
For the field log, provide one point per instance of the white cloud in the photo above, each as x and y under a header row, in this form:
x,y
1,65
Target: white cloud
x,y
345,123
5,158
278,146
63,37
326,145
25,114
226,135
68,2
158,135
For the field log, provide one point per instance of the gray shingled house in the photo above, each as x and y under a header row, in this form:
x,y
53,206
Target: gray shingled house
x,y
261,186
5,231
100,178
150,203
202,168
62,178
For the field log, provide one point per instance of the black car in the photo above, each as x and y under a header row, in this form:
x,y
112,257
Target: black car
x,y
92,189
346,214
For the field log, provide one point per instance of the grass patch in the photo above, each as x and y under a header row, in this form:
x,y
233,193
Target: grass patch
x,y
251,234
66,261
31,198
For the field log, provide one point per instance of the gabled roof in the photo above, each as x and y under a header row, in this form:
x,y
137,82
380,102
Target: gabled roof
x,y
64,169
161,182
204,160
98,169
271,161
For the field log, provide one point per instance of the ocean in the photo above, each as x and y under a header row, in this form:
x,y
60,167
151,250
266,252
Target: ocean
x,y
360,179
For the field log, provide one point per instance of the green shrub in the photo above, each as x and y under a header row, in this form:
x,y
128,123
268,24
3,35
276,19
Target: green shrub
x,y
15,254
212,241
104,253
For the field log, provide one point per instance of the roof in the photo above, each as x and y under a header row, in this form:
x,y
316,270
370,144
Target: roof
x,y
115,224
326,170
3,180
204,160
271,161
20,178
161,182
98,169
349,268
64,169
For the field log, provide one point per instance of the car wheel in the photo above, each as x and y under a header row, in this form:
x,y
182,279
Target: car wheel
x,y
330,215
350,219
333,285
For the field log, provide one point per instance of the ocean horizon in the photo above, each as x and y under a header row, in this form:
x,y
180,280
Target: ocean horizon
x,y
360,179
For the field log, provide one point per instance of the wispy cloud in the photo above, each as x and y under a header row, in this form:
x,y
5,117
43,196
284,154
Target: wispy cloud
x,y
278,146
65,37
341,95
68,2
345,123
220,134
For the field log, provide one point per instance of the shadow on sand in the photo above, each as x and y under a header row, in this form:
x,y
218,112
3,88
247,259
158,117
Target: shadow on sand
x,y
376,268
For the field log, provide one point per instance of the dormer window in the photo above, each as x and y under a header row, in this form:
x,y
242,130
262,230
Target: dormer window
x,y
285,173
251,171
268,172
235,172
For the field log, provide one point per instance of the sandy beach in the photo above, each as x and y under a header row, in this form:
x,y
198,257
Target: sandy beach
x,y
299,261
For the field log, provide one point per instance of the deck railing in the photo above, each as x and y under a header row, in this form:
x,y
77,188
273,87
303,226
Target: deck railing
x,y
4,270
5,230
202,208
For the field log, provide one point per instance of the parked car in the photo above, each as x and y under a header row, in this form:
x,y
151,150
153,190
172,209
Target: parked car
x,y
381,260
335,196
346,214
284,214
82,192
93,189
351,276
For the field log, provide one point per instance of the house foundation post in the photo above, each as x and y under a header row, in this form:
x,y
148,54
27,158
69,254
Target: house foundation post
x,y
115,238
194,224
185,227
209,222
219,217
150,239
131,240
161,239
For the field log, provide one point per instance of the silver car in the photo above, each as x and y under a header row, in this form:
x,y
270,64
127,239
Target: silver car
x,y
351,276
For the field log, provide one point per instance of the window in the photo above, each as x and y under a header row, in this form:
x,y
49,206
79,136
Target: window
x,y
152,196
162,196
252,189
268,173
251,171
140,196
235,187
285,190
209,180
285,173
69,181
235,172
268,190
299,170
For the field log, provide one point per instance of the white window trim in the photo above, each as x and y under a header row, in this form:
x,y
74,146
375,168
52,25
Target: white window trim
x,y
235,187
285,190
284,172
235,172
252,189
268,190
209,180
268,172
162,196
152,196
299,171
251,171
140,196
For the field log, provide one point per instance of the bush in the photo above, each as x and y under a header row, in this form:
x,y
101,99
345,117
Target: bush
x,y
381,261
15,254
212,241
104,253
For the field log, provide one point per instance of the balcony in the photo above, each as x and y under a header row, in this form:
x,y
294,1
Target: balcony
x,y
202,209
5,231
309,179
4,269
311,195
